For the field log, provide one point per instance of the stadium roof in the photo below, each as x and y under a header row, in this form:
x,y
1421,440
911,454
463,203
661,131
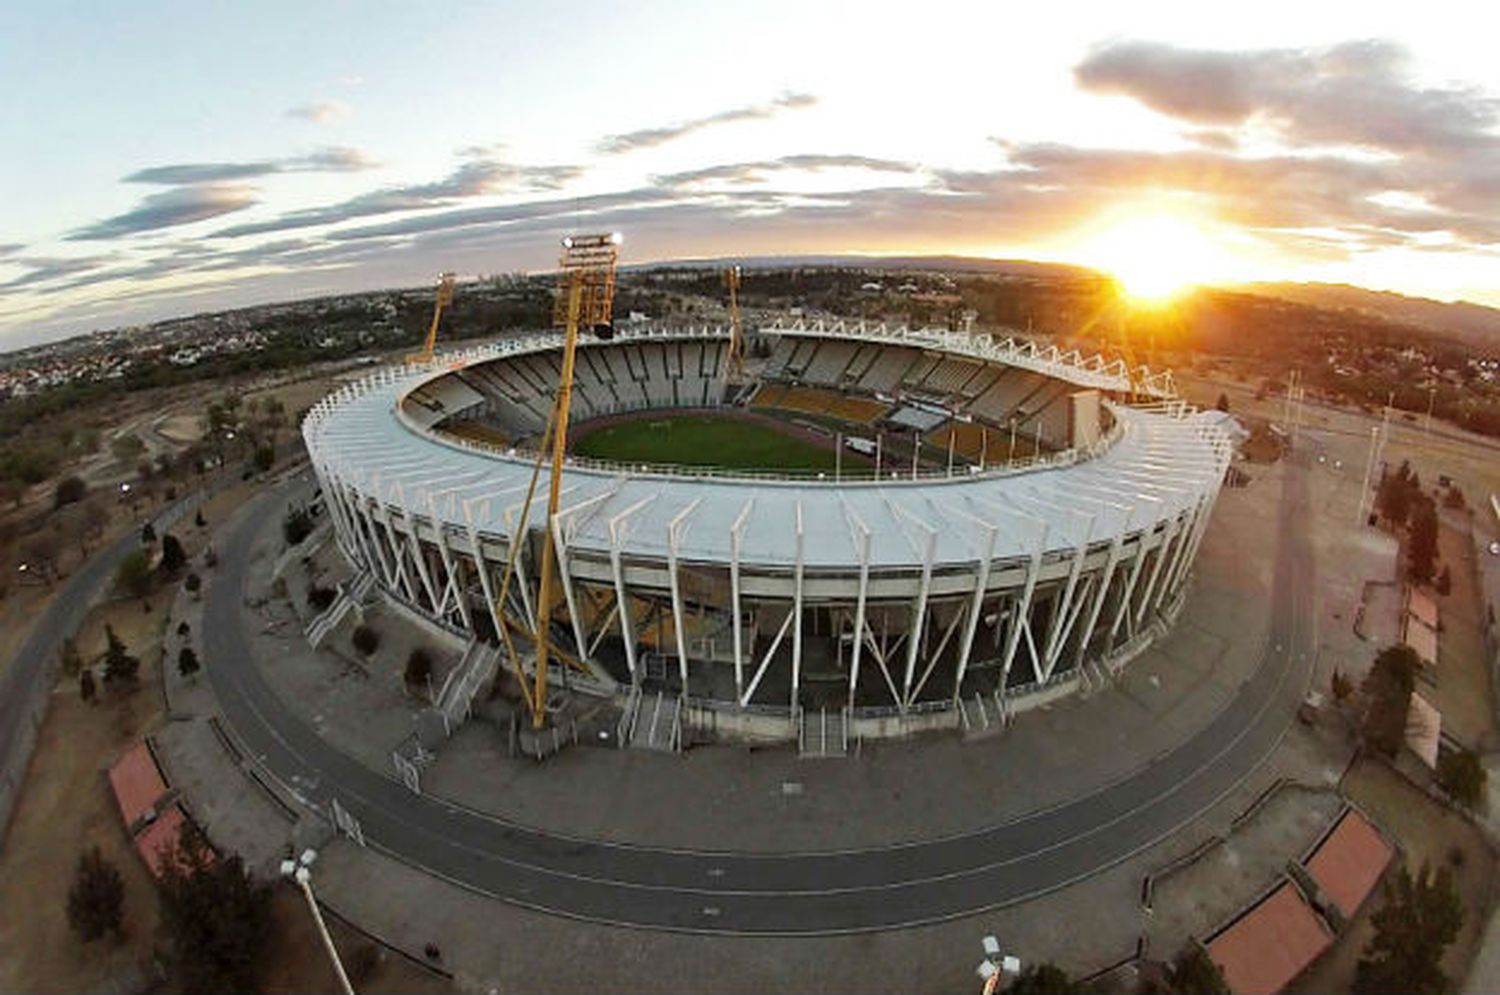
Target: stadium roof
x,y
1162,463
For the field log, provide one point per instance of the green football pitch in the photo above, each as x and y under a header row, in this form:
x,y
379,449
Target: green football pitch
x,y
696,440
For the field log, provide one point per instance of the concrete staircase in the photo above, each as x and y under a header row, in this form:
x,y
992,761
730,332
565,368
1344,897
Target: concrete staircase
x,y
475,670
981,716
823,733
652,722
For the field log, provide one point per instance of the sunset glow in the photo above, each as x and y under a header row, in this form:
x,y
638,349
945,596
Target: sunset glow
x,y
1170,148
1155,256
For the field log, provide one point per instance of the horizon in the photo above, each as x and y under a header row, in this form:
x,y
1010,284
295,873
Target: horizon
x,y
1171,149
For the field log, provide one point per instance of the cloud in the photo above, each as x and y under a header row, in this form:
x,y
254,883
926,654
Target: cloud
x,y
1352,123
45,269
755,172
650,137
473,178
331,159
320,112
1355,93
177,206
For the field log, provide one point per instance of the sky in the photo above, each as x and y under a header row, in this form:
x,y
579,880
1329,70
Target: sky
x,y
164,159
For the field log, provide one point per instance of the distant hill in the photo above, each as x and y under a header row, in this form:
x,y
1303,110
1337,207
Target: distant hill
x,y
950,264
1474,323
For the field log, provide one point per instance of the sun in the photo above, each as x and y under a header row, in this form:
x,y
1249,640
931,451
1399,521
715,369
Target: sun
x,y
1154,256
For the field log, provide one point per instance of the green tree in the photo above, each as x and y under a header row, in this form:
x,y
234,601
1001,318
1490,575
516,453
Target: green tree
x,y
1421,548
1388,687
1193,972
96,900
265,456
1044,979
148,534
119,665
193,584
1462,775
215,919
86,687
1420,918
133,574
68,655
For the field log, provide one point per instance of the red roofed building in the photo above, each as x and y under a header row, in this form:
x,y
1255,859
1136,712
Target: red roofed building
x,y
1348,861
1270,943
137,784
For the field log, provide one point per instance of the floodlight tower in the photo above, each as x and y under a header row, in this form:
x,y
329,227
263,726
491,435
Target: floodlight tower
x,y
586,295
444,298
735,366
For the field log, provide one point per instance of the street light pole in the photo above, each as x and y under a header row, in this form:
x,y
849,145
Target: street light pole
x,y
300,871
1364,491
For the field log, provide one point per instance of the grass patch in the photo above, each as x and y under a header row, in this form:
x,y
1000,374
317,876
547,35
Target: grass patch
x,y
698,440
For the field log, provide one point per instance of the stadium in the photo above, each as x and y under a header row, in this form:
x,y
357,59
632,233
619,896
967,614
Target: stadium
x,y
865,531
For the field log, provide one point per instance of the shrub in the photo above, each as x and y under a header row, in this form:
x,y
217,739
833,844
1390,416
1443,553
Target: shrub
x,y
1462,775
193,584
187,662
72,662
365,639
173,558
86,687
265,456
296,526
119,665
96,900
69,490
199,520
1194,971
320,598
418,667
362,964
183,628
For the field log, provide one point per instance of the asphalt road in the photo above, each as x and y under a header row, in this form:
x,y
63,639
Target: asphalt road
x,y
781,894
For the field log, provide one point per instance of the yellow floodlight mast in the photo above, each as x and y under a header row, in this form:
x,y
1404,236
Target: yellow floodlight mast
x,y
586,294
735,367
444,298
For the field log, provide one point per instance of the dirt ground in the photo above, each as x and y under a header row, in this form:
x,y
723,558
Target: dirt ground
x,y
300,964
1426,832
66,807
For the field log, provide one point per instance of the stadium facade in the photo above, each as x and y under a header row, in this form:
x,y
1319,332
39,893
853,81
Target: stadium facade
x,y
895,595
